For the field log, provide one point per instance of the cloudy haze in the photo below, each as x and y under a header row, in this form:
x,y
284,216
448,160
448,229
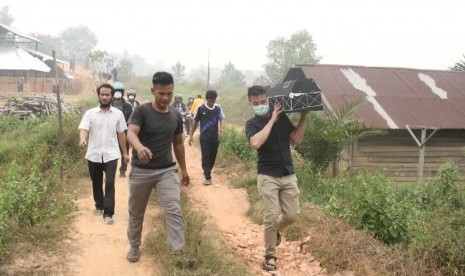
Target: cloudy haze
x,y
411,33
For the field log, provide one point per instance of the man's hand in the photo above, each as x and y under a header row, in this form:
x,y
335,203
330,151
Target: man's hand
x,y
144,154
186,180
82,143
276,111
126,158
191,140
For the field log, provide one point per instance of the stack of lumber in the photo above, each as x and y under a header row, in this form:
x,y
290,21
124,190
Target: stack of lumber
x,y
34,106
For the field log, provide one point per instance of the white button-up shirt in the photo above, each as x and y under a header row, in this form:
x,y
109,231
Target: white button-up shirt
x,y
102,126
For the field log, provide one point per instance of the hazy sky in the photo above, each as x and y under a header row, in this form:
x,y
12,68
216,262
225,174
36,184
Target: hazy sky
x,y
422,34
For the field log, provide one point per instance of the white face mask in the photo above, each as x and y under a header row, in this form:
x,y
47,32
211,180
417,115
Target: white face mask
x,y
131,97
117,95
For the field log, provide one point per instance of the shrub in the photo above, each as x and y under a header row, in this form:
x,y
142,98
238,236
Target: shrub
x,y
235,144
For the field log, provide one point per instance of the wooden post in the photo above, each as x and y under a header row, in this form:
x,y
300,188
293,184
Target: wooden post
x,y
60,116
421,160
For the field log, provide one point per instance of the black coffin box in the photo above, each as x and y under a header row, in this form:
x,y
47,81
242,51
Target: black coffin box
x,y
295,95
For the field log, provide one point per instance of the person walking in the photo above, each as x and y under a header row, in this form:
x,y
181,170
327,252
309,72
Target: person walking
x,y
132,99
195,105
182,108
211,118
125,107
101,130
155,128
271,132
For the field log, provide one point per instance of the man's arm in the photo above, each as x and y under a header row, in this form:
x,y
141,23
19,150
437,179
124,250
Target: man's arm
x,y
191,135
122,144
83,135
260,137
179,153
221,127
143,152
297,135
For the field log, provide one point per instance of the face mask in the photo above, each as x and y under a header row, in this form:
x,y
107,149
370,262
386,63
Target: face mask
x,y
261,110
131,97
117,95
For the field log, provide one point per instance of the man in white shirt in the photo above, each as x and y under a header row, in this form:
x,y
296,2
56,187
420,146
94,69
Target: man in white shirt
x,y
102,131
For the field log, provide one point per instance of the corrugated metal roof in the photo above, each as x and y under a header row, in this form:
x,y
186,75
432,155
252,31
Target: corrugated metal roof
x,y
4,29
12,58
393,97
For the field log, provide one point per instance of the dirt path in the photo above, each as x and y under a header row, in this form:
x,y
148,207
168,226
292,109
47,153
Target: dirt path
x,y
102,247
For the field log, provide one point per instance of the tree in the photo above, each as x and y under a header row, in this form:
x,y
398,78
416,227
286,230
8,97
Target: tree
x,y
5,16
231,77
103,64
49,44
124,70
284,53
77,43
459,66
178,71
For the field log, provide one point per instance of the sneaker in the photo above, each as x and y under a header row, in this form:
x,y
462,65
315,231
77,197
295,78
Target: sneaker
x,y
133,255
98,212
108,220
207,182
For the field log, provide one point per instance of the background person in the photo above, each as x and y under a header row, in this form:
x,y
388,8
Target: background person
x,y
101,130
211,118
120,103
132,99
270,132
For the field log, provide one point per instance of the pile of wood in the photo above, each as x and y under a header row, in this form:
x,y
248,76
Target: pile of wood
x,y
35,106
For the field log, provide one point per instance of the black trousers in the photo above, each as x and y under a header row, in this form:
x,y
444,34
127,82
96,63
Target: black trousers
x,y
209,150
104,200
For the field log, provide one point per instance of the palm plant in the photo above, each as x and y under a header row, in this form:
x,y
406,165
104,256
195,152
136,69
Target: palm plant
x,y
327,134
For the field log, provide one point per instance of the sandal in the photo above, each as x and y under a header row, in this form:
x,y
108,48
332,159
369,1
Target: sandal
x,y
278,239
269,264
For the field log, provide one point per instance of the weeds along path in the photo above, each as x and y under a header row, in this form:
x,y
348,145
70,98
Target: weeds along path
x,y
227,208
100,249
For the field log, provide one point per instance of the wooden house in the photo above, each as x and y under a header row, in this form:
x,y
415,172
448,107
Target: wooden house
x,y
423,112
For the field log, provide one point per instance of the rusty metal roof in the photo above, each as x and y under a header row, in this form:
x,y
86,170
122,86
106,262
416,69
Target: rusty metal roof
x,y
392,97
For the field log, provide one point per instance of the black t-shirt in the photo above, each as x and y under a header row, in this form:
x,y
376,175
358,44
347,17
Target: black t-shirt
x,y
156,133
274,156
208,118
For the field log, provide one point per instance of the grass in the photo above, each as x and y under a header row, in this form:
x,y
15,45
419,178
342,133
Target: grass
x,y
206,252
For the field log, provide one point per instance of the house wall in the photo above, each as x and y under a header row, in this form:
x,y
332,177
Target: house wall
x,y
397,154
25,83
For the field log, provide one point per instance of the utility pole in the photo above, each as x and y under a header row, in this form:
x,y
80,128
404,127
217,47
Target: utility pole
x,y
208,70
60,116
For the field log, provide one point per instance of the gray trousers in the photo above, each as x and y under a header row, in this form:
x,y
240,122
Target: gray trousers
x,y
166,183
281,207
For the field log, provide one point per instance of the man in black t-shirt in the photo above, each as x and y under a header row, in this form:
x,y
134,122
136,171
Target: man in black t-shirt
x,y
154,129
211,118
270,132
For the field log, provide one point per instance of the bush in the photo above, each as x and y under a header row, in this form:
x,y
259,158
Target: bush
x,y
235,144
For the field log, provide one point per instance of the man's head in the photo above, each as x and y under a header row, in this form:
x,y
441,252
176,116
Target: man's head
x,y
258,100
178,98
131,94
163,86
105,94
119,90
210,97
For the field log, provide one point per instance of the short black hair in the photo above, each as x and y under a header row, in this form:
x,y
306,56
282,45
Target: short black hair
x,y
106,85
256,90
162,78
211,94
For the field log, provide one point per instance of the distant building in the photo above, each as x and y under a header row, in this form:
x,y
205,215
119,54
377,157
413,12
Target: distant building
x,y
26,70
